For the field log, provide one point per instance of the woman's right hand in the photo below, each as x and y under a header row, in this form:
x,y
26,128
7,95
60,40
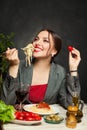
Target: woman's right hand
x,y
12,56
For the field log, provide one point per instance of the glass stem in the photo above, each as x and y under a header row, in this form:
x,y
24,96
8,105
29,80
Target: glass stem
x,y
20,106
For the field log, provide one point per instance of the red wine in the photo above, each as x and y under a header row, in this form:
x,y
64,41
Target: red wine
x,y
21,94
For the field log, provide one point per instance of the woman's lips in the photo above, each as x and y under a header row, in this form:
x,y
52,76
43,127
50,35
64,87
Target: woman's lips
x,y
38,49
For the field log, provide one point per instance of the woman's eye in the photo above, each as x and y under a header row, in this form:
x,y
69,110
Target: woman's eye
x,y
35,39
46,41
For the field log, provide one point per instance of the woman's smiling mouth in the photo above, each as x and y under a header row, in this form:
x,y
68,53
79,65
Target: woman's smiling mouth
x,y
37,49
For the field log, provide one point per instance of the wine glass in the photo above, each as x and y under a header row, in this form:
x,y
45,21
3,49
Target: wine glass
x,y
21,94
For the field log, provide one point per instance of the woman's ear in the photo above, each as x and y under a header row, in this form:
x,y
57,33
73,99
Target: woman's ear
x,y
54,53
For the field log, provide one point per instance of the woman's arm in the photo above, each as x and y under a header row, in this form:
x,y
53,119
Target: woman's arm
x,y
68,85
71,82
8,90
11,80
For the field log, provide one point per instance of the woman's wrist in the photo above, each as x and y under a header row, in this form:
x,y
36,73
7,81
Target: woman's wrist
x,y
14,63
73,72
13,70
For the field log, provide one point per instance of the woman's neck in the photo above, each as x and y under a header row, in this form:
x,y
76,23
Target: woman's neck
x,y
41,72
42,63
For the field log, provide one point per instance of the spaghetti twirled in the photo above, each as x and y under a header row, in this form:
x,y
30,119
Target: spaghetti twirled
x,y
28,51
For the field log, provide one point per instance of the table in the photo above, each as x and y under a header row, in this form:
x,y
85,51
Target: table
x,y
46,126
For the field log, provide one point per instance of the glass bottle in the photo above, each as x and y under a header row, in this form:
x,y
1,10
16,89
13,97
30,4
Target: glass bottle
x,y
71,120
79,112
80,104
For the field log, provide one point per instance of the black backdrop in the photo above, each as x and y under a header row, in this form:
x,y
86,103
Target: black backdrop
x,y
67,17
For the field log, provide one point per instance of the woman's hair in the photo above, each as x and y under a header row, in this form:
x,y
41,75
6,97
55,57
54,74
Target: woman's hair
x,y
56,38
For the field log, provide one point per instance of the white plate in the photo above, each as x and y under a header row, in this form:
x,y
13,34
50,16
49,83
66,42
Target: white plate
x,y
25,122
53,107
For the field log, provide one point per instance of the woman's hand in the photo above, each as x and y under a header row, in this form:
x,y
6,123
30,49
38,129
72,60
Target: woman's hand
x,y
12,56
74,59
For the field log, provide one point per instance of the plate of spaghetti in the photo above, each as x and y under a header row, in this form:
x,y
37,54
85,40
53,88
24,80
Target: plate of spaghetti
x,y
41,108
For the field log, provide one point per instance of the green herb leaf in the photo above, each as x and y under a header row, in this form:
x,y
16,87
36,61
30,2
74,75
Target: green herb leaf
x,y
6,112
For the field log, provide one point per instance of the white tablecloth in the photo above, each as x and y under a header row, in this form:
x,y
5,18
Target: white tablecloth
x,y
45,126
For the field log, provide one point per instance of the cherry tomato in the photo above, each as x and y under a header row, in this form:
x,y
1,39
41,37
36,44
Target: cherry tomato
x,y
19,115
37,118
26,113
20,118
27,116
70,48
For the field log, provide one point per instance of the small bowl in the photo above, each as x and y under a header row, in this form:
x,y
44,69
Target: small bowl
x,y
53,121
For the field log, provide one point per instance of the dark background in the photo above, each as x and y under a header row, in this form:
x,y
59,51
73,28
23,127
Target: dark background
x,y
67,17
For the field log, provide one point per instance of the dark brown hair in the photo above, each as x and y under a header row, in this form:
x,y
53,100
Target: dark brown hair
x,y
56,38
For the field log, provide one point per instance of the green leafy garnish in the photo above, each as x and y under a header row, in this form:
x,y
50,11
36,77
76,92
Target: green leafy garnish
x,y
6,112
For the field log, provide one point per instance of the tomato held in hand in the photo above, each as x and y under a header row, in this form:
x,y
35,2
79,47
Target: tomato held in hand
x,y
70,48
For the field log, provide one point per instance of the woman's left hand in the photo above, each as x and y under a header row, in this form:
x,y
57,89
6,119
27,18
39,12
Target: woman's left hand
x,y
74,59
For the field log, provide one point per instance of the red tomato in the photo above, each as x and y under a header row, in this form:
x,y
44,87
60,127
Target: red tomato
x,y
29,118
38,118
26,113
70,48
19,115
33,114
20,118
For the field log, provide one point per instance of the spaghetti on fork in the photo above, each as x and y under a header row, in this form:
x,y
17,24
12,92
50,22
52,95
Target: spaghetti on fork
x,y
28,51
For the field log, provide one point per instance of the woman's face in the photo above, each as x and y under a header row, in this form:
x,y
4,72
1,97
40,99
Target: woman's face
x,y
43,45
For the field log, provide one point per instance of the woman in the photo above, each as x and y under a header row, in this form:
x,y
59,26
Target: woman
x,y
46,80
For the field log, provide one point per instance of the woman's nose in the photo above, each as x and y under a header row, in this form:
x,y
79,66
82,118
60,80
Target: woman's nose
x,y
38,42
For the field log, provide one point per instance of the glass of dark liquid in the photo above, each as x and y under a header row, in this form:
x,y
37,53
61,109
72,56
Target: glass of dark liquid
x,y
21,94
